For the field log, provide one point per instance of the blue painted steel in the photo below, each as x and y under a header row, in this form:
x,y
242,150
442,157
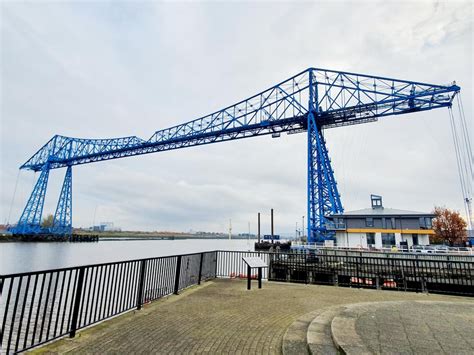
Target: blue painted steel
x,y
313,100
30,220
62,223
344,99
271,237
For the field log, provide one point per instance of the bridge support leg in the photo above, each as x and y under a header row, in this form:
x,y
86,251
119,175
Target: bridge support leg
x,y
323,195
62,223
30,220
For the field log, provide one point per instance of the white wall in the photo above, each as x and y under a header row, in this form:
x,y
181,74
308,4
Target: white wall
x,y
352,240
378,240
423,239
359,240
408,238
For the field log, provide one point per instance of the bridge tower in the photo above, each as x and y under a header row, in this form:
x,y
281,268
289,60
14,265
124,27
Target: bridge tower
x,y
31,218
323,196
62,222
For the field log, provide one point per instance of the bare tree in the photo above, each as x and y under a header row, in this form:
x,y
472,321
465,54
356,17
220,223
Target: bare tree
x,y
47,221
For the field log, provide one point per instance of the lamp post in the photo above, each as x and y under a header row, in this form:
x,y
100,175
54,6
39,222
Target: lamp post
x,y
302,228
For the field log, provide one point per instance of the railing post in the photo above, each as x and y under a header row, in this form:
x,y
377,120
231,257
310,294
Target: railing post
x,y
306,271
141,284
415,273
77,302
249,272
216,262
178,271
200,268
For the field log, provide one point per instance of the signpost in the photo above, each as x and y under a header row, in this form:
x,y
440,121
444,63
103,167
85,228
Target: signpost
x,y
254,262
271,237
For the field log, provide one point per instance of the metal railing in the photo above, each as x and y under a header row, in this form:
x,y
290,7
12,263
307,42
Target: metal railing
x,y
417,249
421,273
38,307
41,306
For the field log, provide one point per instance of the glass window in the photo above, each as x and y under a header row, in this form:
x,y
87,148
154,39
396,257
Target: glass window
x,y
425,222
370,238
388,223
428,222
388,239
369,222
422,222
415,239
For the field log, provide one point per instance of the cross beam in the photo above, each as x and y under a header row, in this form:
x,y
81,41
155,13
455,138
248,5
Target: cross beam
x,y
311,101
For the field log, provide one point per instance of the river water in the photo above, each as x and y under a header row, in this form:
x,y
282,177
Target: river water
x,y
23,257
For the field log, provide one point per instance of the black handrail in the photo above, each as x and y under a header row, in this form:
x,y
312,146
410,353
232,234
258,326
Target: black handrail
x,y
40,306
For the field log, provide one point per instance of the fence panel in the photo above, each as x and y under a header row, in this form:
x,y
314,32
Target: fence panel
x,y
409,272
38,307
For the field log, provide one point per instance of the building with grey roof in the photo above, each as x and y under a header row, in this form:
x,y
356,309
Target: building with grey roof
x,y
380,227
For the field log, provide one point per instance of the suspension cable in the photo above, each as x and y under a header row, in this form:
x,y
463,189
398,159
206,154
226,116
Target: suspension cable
x,y
457,152
13,197
463,159
466,136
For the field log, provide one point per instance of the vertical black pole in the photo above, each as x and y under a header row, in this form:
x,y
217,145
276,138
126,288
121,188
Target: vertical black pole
x,y
271,222
178,271
217,253
77,302
249,271
200,268
258,227
259,277
141,283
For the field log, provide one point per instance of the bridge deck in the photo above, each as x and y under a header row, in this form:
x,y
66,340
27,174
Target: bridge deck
x,y
221,316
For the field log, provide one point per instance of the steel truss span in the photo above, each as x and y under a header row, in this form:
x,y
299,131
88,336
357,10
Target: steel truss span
x,y
311,101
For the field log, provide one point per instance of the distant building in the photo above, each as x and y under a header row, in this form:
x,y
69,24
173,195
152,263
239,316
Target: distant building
x,y
378,227
106,227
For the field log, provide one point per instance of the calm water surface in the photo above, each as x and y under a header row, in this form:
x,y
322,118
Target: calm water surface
x,y
23,257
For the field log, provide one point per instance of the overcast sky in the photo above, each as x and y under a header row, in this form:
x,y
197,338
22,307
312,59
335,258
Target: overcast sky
x,y
109,69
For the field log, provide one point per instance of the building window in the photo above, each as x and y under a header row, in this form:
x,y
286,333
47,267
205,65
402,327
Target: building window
x,y
388,239
370,239
415,239
388,223
428,222
369,222
425,223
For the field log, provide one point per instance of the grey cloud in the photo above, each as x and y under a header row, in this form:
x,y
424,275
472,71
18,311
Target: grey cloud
x,y
105,69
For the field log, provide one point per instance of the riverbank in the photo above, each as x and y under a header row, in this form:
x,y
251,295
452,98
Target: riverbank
x,y
86,236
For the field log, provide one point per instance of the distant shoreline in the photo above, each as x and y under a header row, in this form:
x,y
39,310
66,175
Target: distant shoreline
x,y
109,237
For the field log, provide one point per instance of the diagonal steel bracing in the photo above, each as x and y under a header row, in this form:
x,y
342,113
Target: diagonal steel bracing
x,y
313,100
62,223
30,220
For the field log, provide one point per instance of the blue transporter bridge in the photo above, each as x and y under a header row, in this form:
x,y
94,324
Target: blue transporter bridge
x,y
309,102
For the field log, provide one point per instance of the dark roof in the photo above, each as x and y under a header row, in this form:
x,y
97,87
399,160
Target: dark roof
x,y
383,212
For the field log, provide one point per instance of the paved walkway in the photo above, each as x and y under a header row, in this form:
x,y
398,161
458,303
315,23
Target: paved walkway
x,y
221,316
420,327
